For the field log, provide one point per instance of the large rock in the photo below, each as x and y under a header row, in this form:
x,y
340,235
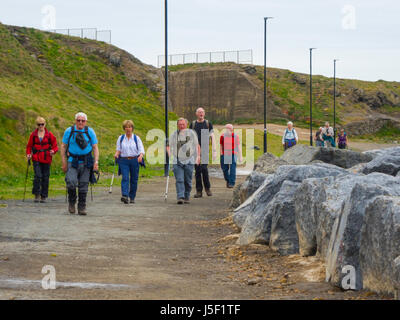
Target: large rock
x,y
302,154
254,217
387,162
344,244
284,237
380,245
268,163
244,190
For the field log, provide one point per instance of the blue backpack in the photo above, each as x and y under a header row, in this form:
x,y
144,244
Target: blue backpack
x,y
135,139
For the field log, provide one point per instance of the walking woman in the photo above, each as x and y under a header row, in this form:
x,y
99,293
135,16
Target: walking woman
x,y
129,155
41,148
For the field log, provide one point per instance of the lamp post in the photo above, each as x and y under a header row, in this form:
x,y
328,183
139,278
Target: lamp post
x,y
334,98
265,82
166,166
311,137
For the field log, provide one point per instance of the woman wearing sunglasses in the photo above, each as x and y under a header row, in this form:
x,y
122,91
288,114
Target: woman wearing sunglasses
x,y
41,148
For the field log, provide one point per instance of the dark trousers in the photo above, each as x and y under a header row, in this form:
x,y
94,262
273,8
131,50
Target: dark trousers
x,y
77,178
201,173
41,180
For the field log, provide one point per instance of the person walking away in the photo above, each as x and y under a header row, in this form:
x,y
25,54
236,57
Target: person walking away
x,y
205,131
327,135
129,155
41,148
80,155
319,141
289,138
342,140
230,150
185,148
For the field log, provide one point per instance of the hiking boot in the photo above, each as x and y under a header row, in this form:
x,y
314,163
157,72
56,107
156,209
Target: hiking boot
x,y
132,201
43,200
71,208
82,210
198,194
230,186
186,201
125,200
180,201
37,198
209,193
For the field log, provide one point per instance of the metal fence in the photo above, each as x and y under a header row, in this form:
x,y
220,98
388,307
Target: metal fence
x,y
88,33
239,56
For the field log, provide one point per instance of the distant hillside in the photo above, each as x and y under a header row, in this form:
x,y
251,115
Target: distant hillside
x,y
232,92
56,76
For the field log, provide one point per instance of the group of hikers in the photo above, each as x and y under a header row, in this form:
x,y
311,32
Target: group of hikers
x,y
324,137
188,148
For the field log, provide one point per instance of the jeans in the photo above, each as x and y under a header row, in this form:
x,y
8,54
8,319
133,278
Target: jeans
x,y
130,176
41,180
183,179
319,143
201,173
228,166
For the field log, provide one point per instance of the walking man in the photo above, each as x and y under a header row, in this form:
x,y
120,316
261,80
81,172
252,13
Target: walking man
x,y
230,150
185,148
78,144
204,130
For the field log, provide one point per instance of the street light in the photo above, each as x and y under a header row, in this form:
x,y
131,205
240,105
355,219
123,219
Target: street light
x,y
311,137
166,166
334,98
265,82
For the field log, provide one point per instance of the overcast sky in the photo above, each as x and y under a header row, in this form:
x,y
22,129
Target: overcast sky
x,y
363,34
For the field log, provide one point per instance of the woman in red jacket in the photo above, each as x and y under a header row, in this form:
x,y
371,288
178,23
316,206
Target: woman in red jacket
x,y
41,147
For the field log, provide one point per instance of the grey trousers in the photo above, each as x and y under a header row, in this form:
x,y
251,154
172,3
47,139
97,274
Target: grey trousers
x,y
78,178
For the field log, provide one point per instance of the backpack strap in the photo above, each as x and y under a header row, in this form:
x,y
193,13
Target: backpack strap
x,y
120,141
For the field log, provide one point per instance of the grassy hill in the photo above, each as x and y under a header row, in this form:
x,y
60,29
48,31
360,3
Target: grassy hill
x,y
288,96
56,76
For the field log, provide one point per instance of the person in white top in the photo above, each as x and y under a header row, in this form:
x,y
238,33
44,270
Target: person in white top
x,y
327,135
289,138
129,155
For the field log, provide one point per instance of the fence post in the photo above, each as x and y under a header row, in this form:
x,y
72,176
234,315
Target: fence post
x,y
68,32
183,59
224,56
238,56
96,34
82,33
210,57
197,57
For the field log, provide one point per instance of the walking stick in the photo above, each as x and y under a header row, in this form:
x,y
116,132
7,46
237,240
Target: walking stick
x,y
166,188
112,179
26,177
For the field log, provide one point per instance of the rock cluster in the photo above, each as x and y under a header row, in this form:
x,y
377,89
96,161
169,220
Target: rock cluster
x,y
350,218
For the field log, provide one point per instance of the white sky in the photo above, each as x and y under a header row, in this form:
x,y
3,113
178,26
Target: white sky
x,y
366,42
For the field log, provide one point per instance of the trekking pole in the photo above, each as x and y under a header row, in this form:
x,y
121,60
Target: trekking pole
x,y
112,179
66,194
26,177
91,191
166,188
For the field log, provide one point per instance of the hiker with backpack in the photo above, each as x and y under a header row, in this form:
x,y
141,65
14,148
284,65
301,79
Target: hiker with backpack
x,y
41,148
327,135
204,130
185,148
289,138
342,140
319,141
129,156
230,152
80,157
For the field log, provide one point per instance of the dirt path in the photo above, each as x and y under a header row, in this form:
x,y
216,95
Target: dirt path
x,y
304,134
147,250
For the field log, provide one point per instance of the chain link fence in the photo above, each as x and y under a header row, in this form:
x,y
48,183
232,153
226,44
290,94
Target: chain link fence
x,y
88,33
239,56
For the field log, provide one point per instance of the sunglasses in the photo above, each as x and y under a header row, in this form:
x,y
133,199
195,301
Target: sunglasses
x,y
40,124
80,120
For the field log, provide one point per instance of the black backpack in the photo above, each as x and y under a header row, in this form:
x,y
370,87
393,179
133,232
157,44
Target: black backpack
x,y
73,131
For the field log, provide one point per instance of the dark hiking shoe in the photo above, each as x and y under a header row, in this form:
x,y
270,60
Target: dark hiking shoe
x,y
43,200
82,211
132,201
227,184
180,201
125,200
186,201
230,186
37,198
209,193
198,194
71,208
